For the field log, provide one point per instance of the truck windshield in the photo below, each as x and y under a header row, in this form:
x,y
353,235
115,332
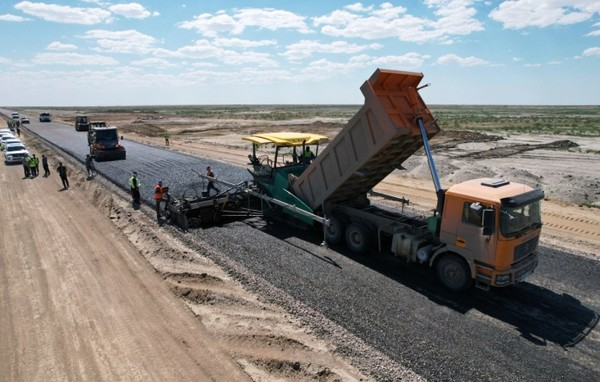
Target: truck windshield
x,y
516,220
106,135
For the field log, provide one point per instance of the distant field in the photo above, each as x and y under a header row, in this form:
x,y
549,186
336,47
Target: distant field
x,y
560,120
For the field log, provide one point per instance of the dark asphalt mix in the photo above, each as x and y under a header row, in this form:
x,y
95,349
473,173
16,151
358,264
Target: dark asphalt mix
x,y
544,329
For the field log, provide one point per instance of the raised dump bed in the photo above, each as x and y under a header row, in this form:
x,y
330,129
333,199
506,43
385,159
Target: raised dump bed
x,y
377,140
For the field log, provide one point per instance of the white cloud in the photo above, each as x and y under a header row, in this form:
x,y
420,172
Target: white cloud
x,y
453,59
532,65
56,45
132,11
128,41
244,44
65,14
358,7
519,14
13,18
454,18
272,19
408,61
595,51
204,49
322,69
306,48
153,63
73,59
211,25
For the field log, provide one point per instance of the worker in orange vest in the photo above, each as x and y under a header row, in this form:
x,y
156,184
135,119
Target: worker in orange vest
x,y
159,192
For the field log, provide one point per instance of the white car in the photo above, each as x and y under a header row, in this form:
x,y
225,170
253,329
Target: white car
x,y
4,137
9,141
14,153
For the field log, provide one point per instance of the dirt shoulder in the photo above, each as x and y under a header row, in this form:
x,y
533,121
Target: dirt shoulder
x,y
94,290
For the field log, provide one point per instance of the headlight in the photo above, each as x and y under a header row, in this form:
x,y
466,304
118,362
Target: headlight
x,y
502,279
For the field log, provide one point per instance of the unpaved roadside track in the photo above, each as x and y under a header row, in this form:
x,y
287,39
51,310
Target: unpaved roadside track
x,y
77,302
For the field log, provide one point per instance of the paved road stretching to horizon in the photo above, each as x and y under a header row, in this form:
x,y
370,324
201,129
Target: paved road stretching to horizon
x,y
544,329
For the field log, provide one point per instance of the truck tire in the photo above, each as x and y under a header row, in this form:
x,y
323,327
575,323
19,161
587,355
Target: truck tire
x,y
358,238
454,273
334,233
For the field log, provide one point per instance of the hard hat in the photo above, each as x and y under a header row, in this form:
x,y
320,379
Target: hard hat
x,y
159,181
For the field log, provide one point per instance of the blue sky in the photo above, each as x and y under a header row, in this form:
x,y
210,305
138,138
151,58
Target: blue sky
x,y
161,52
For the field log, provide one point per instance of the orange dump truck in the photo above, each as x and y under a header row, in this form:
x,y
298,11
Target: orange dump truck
x,y
483,232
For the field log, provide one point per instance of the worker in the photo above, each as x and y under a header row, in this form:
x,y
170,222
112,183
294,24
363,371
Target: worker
x,y
32,165
45,166
37,165
62,172
308,155
134,186
25,163
159,192
89,166
166,135
211,184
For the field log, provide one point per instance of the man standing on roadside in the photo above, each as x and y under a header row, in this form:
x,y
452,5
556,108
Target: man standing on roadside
x,y
31,163
62,172
25,163
134,186
89,165
45,166
166,135
36,162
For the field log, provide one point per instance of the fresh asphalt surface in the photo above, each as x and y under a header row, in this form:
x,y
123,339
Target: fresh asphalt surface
x,y
543,329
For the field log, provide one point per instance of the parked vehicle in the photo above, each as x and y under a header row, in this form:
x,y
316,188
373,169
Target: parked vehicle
x,y
5,137
483,232
14,153
45,117
8,142
104,143
82,123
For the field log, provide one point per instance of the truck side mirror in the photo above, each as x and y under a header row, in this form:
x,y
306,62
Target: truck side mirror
x,y
488,220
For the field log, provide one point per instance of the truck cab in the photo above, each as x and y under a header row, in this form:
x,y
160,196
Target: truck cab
x,y
45,117
494,225
104,143
82,123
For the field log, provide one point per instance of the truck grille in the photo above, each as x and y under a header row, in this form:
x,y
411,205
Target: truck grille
x,y
523,250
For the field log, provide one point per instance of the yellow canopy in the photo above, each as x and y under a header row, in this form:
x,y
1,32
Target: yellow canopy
x,y
285,138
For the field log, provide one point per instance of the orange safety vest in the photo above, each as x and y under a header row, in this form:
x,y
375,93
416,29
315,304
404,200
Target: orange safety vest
x,y
158,192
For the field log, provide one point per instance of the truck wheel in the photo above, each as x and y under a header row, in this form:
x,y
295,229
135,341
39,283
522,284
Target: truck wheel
x,y
454,273
334,233
358,237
